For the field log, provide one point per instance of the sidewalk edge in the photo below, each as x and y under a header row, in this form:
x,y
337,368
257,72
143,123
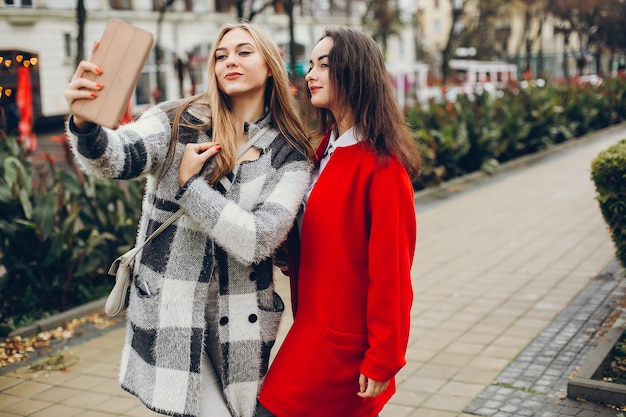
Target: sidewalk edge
x,y
57,320
432,193
455,185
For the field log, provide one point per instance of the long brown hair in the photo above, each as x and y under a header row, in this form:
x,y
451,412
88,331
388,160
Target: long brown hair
x,y
361,84
217,106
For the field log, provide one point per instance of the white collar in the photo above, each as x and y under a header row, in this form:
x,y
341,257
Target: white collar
x,y
348,138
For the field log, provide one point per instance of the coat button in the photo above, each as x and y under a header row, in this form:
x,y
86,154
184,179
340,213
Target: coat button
x,y
253,276
224,321
252,318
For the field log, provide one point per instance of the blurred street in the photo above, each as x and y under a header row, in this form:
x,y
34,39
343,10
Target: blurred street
x,y
505,275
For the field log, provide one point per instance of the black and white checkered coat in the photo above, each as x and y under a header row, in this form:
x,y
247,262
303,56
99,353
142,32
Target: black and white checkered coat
x,y
166,314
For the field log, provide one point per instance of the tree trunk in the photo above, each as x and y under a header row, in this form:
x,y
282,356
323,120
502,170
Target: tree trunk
x,y
293,60
159,94
540,52
447,51
81,19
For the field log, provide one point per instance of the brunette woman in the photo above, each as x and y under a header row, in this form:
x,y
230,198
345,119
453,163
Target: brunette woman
x,y
353,294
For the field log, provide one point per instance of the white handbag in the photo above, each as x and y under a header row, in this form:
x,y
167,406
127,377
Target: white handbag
x,y
121,268
117,300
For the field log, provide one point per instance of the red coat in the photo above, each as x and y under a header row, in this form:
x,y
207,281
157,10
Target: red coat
x,y
354,291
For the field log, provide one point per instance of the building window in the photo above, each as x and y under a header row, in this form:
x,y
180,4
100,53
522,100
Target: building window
x,y
223,6
20,3
278,7
67,43
142,90
157,5
120,4
199,6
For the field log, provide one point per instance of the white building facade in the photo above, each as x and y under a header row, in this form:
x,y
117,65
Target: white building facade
x,y
41,34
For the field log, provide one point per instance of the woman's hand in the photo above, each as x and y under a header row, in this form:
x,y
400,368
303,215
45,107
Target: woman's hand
x,y
368,388
81,87
281,258
194,157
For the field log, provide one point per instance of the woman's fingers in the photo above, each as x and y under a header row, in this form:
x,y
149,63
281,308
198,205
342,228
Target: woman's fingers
x,y
362,383
204,146
194,157
369,388
81,87
84,67
93,49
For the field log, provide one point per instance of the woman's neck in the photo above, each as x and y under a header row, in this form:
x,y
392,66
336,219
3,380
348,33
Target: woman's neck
x,y
247,110
344,121
344,124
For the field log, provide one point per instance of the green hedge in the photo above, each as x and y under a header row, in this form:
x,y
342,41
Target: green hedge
x,y
59,231
608,172
478,132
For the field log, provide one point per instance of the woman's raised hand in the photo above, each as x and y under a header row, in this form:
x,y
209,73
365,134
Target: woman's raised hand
x,y
194,157
81,87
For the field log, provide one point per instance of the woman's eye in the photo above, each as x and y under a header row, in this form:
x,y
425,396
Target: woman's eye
x,y
244,53
219,57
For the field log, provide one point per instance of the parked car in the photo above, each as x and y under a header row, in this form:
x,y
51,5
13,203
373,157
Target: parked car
x,y
593,79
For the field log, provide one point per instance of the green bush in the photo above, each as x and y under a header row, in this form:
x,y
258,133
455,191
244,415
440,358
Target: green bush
x,y
608,172
60,229
480,131
59,232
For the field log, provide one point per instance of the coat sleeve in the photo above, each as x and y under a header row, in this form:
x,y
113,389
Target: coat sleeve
x,y
251,235
391,249
132,151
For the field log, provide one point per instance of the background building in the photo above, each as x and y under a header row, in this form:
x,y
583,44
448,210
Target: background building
x,y
423,41
43,35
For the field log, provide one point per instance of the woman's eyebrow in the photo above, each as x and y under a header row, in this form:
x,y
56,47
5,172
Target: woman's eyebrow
x,y
319,58
237,46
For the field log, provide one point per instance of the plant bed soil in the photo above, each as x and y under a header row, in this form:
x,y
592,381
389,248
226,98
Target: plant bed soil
x,y
597,380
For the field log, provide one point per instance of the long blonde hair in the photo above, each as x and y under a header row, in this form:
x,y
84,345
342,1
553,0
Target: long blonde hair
x,y
281,104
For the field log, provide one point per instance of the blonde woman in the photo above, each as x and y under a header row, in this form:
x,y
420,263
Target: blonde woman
x,y
203,314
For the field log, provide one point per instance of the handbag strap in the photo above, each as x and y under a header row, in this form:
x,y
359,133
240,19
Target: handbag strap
x,y
181,210
158,231
225,181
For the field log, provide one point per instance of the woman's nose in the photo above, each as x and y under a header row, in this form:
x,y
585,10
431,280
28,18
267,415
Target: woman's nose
x,y
230,60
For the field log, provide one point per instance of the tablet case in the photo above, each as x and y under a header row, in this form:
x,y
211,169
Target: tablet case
x,y
121,54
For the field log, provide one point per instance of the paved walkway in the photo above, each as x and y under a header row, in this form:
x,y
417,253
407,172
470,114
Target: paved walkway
x,y
505,270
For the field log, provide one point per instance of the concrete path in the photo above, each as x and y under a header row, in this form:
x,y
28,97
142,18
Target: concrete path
x,y
494,266
496,263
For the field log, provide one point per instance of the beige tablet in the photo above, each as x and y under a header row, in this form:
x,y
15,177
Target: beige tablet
x,y
121,54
